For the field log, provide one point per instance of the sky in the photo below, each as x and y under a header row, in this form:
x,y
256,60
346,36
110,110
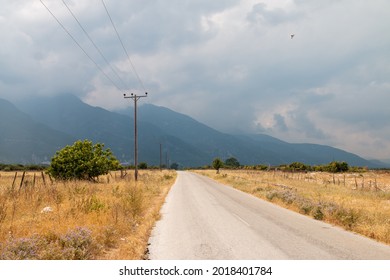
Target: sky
x,y
231,64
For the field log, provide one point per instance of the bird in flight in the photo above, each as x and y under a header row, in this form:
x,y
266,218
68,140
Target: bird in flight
x,y
292,36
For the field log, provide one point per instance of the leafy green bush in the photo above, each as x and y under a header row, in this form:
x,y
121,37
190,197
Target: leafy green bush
x,y
298,166
83,161
217,164
334,167
232,163
143,165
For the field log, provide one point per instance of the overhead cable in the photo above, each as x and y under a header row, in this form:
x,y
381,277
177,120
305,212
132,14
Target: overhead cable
x,y
96,47
123,46
78,44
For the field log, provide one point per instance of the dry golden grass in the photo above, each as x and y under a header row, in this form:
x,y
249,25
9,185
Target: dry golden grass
x,y
118,212
359,202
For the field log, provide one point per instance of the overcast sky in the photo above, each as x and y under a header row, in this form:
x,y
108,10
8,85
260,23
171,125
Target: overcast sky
x,y
230,64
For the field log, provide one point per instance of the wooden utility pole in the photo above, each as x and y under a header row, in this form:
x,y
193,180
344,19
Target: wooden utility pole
x,y
135,99
160,156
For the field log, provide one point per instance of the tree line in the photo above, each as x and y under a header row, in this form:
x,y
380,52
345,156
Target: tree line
x,y
87,161
333,167
22,167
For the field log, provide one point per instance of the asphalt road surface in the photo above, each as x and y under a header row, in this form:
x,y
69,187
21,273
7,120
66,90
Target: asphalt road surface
x,y
202,219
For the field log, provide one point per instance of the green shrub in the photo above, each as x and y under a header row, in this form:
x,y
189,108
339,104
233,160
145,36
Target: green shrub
x,y
217,164
143,165
83,161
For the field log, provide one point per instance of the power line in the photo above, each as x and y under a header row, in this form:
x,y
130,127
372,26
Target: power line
x,y
96,47
124,49
78,44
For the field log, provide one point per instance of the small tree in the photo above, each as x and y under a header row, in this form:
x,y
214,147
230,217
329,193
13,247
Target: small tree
x,y
83,161
143,165
337,166
217,164
175,166
298,166
232,162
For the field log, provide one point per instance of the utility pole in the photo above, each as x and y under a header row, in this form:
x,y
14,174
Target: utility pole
x,y
135,99
160,157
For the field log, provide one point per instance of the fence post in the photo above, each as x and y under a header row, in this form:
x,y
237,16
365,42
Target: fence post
x,y
13,183
43,178
21,182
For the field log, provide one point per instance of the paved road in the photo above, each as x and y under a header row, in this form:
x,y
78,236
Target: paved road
x,y
203,219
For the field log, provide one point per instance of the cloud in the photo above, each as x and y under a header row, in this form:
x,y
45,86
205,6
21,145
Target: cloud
x,y
230,64
261,14
280,123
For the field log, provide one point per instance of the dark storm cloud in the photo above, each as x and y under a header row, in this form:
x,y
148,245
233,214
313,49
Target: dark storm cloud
x,y
231,64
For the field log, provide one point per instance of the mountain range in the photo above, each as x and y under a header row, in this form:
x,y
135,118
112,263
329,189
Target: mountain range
x,y
33,130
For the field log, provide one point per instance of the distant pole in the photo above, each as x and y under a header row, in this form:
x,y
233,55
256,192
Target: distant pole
x,y
135,99
160,156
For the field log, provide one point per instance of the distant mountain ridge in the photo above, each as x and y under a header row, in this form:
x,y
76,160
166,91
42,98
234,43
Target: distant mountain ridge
x,y
49,123
23,140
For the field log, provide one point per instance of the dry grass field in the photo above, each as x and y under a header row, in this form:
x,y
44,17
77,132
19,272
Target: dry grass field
x,y
358,202
110,219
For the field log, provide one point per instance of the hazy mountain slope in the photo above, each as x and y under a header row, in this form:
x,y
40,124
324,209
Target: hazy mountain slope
x,y
249,149
322,153
183,139
69,114
210,142
23,140
308,153
312,154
